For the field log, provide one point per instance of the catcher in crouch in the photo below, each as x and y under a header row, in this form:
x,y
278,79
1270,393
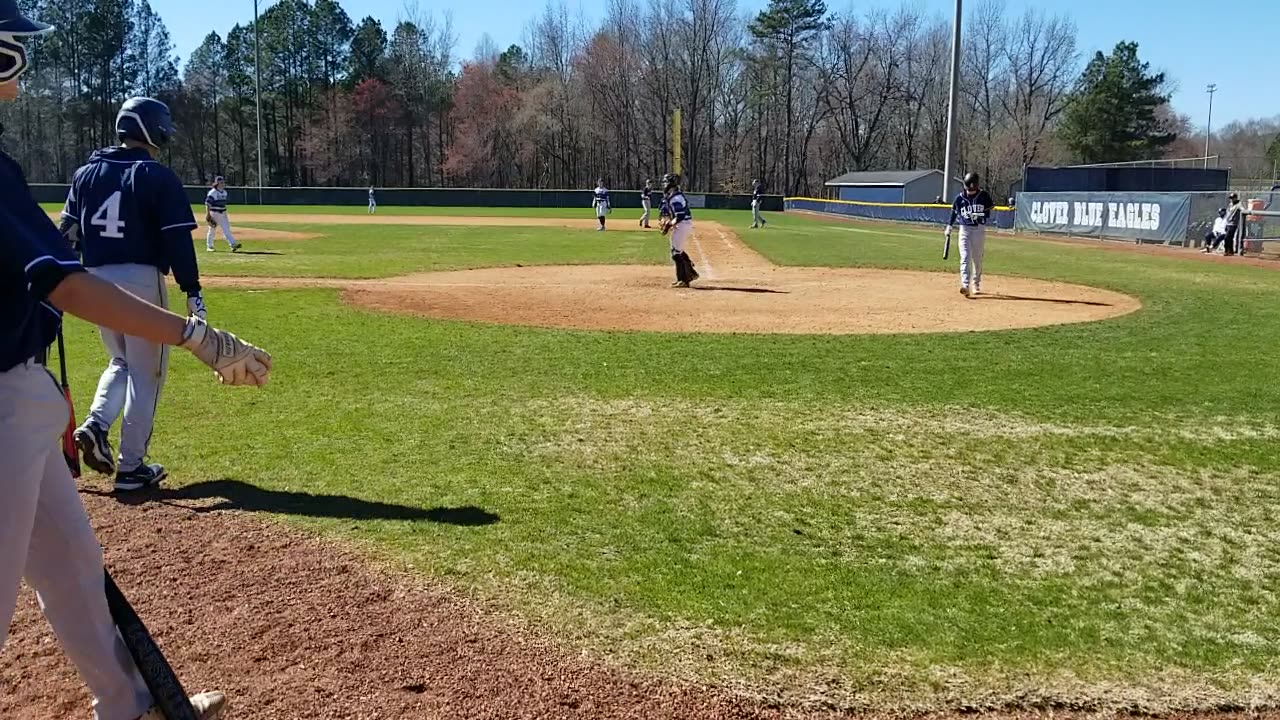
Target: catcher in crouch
x,y
679,223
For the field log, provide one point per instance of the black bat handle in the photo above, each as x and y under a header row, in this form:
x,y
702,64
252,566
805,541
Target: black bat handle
x,y
163,683
62,358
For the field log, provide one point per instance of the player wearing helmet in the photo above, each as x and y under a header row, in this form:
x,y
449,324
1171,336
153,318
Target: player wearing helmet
x,y
679,223
133,223
971,208
45,535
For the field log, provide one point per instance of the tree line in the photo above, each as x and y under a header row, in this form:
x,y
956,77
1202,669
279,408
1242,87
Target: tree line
x,y
794,95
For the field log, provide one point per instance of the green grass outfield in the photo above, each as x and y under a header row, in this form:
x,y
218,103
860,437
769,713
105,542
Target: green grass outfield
x,y
1079,514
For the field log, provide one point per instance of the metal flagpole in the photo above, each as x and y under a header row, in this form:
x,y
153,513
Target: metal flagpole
x,y
257,89
1208,130
952,103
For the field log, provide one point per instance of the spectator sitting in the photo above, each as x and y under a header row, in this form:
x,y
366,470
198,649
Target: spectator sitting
x,y
1215,236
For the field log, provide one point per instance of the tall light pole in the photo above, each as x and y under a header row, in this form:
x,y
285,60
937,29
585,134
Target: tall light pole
x,y
952,102
1208,129
257,89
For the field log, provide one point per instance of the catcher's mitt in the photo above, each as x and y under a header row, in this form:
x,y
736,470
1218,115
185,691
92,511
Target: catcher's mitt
x,y
208,218
665,226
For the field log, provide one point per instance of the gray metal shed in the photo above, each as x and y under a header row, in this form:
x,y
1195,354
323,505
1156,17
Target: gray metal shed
x,y
915,187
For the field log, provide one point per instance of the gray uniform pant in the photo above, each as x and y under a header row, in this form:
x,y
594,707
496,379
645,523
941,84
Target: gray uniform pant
x,y
45,537
973,245
136,373
647,204
756,219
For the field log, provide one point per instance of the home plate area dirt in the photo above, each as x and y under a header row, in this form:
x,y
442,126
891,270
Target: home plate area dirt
x,y
291,627
740,291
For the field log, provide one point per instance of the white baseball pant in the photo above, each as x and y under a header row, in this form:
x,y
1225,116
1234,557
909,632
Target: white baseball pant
x,y
136,373
647,204
222,222
973,243
373,206
680,236
45,537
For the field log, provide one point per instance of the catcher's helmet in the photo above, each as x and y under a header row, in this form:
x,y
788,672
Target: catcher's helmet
x,y
145,120
971,181
670,180
1222,212
13,24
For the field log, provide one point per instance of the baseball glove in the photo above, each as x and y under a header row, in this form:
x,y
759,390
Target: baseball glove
x,y
665,225
208,218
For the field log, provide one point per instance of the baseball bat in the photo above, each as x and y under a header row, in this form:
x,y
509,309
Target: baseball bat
x,y
946,247
69,452
163,683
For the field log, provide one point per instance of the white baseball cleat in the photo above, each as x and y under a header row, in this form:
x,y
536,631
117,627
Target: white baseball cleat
x,y
207,706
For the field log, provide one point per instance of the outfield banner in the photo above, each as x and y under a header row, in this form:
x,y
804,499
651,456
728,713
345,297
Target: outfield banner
x,y
933,214
1161,217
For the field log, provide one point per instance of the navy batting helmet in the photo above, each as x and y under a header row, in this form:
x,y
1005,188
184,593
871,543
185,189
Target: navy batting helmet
x,y
145,120
670,180
972,181
13,24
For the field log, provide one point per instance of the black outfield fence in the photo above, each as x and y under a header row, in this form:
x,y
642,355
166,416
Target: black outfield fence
x,y
442,197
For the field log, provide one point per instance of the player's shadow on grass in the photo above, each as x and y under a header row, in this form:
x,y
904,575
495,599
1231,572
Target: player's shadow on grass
x,y
236,495
258,252
1060,301
755,290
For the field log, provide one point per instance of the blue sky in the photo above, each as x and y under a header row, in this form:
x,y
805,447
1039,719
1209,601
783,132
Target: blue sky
x,y
1182,37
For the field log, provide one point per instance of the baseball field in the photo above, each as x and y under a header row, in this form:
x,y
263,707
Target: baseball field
x,y
503,470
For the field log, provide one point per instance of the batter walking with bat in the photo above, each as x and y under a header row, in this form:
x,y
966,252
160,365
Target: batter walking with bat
x,y
130,217
45,535
971,209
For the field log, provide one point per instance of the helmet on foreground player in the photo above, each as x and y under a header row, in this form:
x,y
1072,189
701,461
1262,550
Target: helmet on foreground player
x,y
145,120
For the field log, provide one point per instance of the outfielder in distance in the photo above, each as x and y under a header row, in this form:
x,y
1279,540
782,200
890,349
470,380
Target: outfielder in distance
x,y
679,223
215,214
131,220
45,535
971,207
646,201
757,197
600,201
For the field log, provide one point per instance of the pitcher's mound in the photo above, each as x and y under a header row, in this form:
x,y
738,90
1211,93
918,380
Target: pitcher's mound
x,y
773,300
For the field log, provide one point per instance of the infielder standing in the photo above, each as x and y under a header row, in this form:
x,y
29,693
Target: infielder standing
x,y
601,202
45,535
680,225
971,207
133,223
215,214
757,197
373,203
646,201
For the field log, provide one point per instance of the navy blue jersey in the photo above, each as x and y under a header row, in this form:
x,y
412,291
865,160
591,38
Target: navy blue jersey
x,y
757,193
601,196
33,260
972,210
678,207
647,193
132,209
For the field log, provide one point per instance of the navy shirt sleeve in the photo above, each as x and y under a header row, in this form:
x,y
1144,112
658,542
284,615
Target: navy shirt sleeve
x,y
170,211
31,244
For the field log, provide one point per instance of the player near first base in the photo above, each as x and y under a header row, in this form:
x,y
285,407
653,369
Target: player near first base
x,y
215,215
679,224
133,226
600,201
971,209
45,535
373,202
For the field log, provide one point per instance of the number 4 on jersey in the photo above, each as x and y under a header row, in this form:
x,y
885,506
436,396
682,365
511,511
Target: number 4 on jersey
x,y
108,217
